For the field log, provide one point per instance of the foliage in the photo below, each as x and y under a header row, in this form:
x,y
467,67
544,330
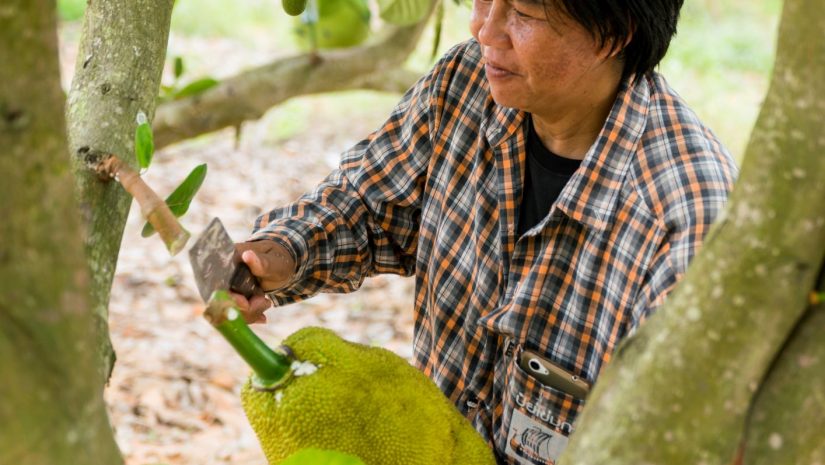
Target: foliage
x,y
180,199
144,144
720,61
195,87
403,12
248,20
177,91
71,10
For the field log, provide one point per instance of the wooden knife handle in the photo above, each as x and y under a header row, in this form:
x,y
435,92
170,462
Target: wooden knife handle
x,y
244,282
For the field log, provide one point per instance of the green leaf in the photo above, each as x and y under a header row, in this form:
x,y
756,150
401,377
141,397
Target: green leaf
x,y
180,199
178,67
196,87
144,144
403,12
321,457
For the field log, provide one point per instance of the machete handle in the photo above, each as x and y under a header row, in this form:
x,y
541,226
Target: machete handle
x,y
244,282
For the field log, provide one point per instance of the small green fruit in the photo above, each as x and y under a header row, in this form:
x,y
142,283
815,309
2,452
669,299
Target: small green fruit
x,y
340,24
294,7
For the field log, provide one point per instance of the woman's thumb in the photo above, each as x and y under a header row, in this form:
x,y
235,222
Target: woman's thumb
x,y
257,263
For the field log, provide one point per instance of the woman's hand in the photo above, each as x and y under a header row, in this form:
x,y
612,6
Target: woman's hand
x,y
272,264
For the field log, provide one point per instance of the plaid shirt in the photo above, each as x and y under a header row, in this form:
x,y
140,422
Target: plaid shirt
x,y
435,193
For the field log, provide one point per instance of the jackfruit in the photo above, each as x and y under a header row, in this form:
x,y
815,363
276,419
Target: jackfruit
x,y
328,393
321,457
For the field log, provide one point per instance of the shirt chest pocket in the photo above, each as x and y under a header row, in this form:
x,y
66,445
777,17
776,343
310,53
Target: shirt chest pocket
x,y
537,419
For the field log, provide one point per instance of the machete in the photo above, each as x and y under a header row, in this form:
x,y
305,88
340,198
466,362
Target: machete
x,y
217,266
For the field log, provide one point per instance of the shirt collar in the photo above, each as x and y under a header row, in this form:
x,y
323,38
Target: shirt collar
x,y
591,195
502,124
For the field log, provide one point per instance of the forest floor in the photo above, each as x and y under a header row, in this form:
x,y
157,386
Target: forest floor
x,y
174,394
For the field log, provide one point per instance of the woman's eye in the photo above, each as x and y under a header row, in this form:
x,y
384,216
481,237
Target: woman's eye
x,y
522,14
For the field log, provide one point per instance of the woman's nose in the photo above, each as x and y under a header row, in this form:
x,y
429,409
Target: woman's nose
x,y
491,18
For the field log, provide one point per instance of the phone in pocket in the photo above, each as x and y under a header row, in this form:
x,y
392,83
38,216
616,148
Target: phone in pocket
x,y
552,375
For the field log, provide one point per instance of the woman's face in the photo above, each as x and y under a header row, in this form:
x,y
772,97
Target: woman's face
x,y
538,60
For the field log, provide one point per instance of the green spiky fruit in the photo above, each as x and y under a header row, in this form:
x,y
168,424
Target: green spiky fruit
x,y
359,400
337,24
321,457
294,7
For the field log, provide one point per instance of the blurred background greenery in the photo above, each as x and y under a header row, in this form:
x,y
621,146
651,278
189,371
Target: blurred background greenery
x,y
719,62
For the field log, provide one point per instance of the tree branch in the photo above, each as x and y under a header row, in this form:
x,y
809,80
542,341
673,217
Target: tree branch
x,y
252,93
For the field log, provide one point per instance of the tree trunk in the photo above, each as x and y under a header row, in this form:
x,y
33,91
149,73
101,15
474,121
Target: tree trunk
x,y
251,94
787,419
120,61
679,392
51,403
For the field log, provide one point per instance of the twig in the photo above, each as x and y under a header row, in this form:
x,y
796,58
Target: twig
x,y
153,208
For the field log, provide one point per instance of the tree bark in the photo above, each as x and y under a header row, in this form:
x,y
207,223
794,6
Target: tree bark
x,y
251,94
679,392
51,404
787,418
120,61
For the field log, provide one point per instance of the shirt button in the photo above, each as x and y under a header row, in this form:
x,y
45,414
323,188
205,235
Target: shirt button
x,y
511,228
472,402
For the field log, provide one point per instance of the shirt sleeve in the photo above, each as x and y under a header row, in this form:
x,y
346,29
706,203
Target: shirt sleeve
x,y
689,215
363,218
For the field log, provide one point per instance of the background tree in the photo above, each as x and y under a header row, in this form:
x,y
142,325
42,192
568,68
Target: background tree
x,y
51,403
712,369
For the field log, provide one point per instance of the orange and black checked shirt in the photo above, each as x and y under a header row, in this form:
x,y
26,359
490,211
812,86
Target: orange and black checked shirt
x,y
435,193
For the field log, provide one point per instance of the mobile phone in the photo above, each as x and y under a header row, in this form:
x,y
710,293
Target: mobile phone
x,y
553,375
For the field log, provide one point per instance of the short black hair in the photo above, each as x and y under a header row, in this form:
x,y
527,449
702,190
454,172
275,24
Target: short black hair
x,y
650,25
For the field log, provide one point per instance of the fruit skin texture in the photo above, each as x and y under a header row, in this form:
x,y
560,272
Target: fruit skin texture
x,y
364,401
341,24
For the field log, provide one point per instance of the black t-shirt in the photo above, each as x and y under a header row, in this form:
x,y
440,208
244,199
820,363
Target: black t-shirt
x,y
545,176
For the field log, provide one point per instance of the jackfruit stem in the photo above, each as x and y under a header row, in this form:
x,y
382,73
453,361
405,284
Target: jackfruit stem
x,y
271,367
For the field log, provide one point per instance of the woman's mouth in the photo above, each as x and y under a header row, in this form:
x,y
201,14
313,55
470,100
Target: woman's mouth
x,y
497,72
